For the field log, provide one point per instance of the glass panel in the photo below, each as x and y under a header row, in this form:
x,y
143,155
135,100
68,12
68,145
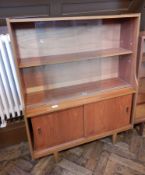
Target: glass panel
x,y
65,60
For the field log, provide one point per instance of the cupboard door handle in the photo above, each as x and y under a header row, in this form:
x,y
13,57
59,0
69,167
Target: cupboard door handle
x,y
39,131
127,109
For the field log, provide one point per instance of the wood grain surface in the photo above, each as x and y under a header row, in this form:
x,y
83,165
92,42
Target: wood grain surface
x,y
107,115
57,128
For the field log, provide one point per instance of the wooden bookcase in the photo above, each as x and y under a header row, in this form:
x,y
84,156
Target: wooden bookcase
x,y
77,77
140,105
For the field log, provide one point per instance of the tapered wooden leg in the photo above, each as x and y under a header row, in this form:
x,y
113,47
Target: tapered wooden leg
x,y
56,157
114,137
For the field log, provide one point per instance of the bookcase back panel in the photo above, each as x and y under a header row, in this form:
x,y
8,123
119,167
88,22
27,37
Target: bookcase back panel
x,y
63,37
68,74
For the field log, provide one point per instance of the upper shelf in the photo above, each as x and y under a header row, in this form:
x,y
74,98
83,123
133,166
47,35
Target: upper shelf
x,y
54,59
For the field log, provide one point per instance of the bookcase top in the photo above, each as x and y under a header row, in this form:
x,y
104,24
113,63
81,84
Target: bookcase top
x,y
38,19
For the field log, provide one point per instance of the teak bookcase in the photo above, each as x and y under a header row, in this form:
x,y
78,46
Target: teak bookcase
x,y
140,106
77,77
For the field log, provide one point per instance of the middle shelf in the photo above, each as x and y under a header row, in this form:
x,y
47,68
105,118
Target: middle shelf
x,y
64,58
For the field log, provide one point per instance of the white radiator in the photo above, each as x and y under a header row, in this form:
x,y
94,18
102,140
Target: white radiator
x,y
10,99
